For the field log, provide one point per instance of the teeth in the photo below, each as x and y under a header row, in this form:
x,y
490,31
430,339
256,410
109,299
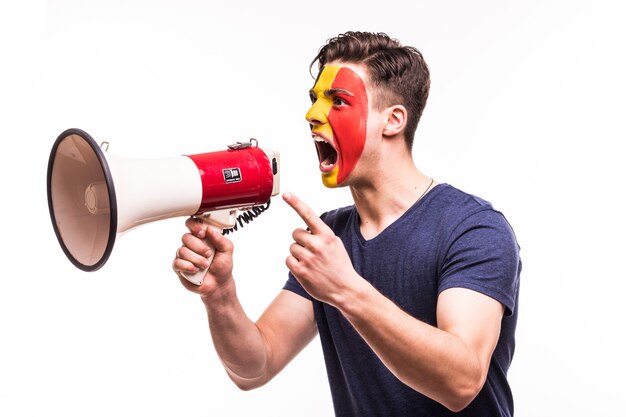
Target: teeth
x,y
326,152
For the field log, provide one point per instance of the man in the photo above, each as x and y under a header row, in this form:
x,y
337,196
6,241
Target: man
x,y
413,289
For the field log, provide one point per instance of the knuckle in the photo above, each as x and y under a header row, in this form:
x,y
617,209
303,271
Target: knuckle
x,y
179,265
296,235
192,224
226,245
315,246
187,238
182,252
297,269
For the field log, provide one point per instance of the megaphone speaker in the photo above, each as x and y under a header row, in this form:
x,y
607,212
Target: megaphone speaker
x,y
94,195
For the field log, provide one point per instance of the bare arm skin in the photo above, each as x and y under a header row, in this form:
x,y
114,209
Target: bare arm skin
x,y
448,363
252,353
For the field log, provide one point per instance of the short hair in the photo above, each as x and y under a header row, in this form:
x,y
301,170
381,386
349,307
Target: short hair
x,y
399,72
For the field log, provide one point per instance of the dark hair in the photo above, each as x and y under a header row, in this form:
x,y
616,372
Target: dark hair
x,y
399,72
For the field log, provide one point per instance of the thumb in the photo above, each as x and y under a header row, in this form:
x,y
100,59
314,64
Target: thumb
x,y
217,240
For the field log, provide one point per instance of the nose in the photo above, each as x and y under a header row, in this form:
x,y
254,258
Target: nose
x,y
316,114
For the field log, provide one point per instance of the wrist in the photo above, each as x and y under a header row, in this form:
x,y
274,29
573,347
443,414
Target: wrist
x,y
219,294
356,299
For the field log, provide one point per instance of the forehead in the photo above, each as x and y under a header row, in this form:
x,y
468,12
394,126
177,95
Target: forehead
x,y
342,76
359,69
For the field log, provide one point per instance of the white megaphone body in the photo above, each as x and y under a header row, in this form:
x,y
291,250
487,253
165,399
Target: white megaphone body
x,y
93,195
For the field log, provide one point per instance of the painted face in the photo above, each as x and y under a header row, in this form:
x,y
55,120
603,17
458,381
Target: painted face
x,y
338,118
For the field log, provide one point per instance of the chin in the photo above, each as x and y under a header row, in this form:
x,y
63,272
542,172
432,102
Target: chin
x,y
329,182
329,178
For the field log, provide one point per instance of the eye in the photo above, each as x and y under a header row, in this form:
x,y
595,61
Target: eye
x,y
339,102
312,97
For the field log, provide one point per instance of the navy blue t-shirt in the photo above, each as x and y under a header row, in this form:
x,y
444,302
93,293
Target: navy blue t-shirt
x,y
447,239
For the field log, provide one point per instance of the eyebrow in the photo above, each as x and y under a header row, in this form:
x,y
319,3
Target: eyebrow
x,y
333,91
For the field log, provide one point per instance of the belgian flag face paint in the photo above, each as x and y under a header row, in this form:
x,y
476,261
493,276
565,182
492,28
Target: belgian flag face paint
x,y
338,118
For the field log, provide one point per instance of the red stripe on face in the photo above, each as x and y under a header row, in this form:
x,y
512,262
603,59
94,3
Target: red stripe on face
x,y
349,123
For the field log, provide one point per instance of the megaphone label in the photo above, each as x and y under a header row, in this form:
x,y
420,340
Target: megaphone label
x,y
232,175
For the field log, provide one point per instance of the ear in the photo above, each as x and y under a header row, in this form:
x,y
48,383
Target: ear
x,y
396,120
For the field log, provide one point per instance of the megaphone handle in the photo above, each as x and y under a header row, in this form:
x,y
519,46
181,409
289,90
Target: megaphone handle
x,y
199,276
218,220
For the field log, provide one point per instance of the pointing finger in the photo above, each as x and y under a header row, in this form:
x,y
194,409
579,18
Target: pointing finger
x,y
312,220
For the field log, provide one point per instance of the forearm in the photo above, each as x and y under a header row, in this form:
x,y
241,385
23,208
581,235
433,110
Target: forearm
x,y
434,362
237,340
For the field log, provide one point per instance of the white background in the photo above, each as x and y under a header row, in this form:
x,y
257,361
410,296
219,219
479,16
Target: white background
x,y
526,110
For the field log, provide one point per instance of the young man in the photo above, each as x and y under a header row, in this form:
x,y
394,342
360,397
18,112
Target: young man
x,y
412,290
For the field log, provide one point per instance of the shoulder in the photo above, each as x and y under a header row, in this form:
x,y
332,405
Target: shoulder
x,y
455,213
338,218
449,198
456,207
481,251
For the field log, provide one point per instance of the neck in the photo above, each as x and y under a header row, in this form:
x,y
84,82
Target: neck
x,y
382,200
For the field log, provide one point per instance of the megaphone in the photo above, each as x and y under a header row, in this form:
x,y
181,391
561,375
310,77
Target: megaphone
x,y
93,195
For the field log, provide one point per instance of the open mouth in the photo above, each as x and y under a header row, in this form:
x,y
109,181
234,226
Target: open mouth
x,y
326,154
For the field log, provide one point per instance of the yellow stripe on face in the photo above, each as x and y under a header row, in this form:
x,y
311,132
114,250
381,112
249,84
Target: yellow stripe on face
x,y
320,111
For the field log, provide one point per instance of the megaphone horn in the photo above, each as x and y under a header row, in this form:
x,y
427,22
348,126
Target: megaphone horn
x,y
93,195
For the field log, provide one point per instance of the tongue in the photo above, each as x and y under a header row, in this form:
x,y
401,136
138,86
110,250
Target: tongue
x,y
330,160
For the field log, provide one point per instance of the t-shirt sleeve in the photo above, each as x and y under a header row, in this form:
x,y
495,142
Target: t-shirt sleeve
x,y
293,285
483,255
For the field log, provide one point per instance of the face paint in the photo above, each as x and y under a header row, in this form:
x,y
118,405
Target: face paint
x,y
338,120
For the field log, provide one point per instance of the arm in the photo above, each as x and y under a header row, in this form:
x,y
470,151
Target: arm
x,y
448,363
252,353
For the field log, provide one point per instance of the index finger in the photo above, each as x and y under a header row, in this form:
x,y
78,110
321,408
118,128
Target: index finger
x,y
311,219
196,226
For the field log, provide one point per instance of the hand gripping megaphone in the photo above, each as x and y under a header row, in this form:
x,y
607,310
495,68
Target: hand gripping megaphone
x,y
93,195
